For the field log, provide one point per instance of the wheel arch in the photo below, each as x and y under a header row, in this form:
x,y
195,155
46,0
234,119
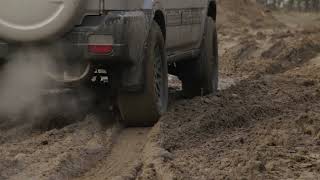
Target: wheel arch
x,y
160,19
212,10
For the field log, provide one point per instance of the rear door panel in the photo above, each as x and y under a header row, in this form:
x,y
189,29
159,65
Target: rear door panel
x,y
185,23
179,34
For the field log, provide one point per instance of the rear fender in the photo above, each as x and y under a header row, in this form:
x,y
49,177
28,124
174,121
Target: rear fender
x,y
133,76
135,32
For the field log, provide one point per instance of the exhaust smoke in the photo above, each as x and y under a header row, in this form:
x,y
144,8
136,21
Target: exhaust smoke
x,y
24,93
21,81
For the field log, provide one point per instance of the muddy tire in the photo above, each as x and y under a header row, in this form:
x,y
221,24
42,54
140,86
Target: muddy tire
x,y
200,76
146,107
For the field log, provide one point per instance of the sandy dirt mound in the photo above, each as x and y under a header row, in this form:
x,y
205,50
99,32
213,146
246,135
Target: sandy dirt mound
x,y
277,52
263,127
244,14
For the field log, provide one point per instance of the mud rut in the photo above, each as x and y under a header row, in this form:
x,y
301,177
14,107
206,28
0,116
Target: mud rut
x,y
97,147
87,149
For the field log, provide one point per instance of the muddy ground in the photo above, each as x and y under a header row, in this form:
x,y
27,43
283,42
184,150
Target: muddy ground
x,y
264,123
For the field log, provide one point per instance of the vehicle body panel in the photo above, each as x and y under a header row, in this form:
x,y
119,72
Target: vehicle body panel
x,y
128,22
184,19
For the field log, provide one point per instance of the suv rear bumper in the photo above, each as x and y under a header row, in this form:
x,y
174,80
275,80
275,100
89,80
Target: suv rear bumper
x,y
4,49
128,30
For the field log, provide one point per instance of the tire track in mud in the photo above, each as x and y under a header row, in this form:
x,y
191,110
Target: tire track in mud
x,y
91,149
57,154
84,150
124,159
95,148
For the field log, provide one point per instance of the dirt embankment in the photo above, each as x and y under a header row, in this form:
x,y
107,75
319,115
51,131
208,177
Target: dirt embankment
x,y
243,14
263,127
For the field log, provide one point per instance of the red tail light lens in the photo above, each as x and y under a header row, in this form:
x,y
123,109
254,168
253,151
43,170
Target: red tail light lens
x,y
100,49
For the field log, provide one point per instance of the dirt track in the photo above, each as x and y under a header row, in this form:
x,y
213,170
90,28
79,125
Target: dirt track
x,y
263,124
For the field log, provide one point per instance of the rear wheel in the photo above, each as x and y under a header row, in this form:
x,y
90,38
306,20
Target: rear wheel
x,y
200,76
145,108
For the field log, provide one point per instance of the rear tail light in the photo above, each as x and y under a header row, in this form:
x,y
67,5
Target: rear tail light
x,y
100,44
100,49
